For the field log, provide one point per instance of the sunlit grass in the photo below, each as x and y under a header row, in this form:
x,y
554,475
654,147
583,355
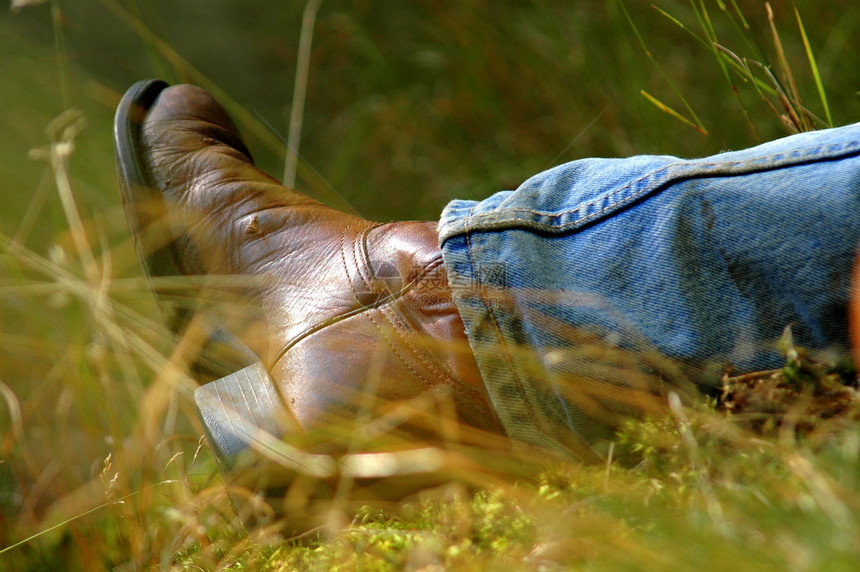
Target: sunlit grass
x,y
101,460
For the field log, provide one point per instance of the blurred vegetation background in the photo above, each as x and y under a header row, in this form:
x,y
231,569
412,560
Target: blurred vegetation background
x,y
409,105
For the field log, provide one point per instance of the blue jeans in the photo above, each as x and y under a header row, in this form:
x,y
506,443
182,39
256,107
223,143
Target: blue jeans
x,y
597,284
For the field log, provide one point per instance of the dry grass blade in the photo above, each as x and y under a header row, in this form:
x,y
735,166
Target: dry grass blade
x,y
798,120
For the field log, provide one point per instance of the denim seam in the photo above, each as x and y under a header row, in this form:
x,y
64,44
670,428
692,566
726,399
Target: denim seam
x,y
538,421
753,166
501,338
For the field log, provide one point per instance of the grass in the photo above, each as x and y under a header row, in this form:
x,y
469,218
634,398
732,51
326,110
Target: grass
x,y
101,462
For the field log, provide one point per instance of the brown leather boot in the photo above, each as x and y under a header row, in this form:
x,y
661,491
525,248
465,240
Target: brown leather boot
x,y
353,319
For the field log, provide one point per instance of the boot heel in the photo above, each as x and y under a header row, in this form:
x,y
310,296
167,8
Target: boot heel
x,y
245,422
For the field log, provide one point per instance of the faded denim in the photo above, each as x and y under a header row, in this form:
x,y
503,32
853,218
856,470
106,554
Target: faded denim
x,y
596,282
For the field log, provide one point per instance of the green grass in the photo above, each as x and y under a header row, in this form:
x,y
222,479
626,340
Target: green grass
x,y
408,106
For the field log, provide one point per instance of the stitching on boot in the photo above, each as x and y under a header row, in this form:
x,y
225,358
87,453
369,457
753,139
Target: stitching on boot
x,y
391,299
395,351
466,398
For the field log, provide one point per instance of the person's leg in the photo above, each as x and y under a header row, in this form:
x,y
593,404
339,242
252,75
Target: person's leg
x,y
575,286
581,291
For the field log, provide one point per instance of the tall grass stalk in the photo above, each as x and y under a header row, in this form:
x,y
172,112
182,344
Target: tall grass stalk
x,y
695,121
297,108
819,85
